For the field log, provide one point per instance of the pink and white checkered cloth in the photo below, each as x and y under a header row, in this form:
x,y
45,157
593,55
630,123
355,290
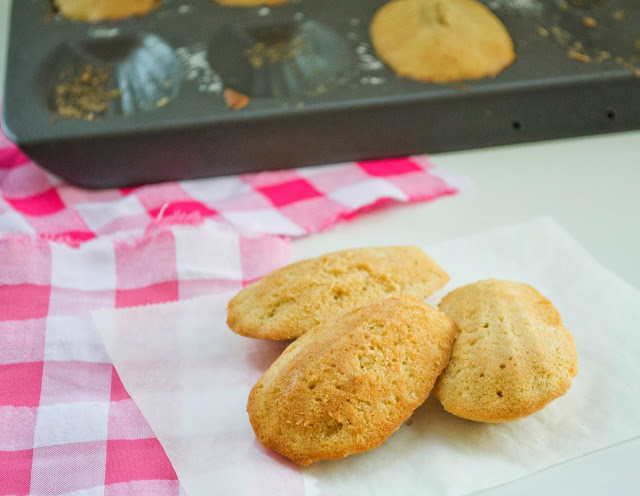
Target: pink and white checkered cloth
x,y
67,425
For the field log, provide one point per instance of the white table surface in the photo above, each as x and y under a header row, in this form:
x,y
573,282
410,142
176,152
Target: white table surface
x,y
590,185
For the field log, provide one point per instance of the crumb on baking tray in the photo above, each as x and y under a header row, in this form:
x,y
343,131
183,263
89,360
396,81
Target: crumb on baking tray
x,y
235,100
576,52
629,64
582,57
602,55
560,35
619,15
84,95
262,53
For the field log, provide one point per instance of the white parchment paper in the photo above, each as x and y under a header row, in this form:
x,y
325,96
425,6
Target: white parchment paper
x,y
190,376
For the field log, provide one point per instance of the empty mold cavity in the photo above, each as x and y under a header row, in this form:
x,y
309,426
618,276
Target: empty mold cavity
x,y
281,60
122,74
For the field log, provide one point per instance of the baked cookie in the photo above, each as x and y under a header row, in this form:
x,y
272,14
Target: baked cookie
x,y
288,302
512,357
441,40
251,3
102,10
348,384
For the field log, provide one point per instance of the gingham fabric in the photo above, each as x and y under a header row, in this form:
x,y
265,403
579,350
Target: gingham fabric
x,y
288,203
67,425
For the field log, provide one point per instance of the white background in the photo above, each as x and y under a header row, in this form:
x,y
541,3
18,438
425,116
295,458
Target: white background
x,y
589,185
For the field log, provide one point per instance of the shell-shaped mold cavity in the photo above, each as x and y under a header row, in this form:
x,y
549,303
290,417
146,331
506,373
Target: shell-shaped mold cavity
x,y
149,76
119,75
281,60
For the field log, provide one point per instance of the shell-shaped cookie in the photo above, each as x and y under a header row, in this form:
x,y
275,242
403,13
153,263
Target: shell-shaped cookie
x,y
290,301
101,10
441,40
348,384
512,357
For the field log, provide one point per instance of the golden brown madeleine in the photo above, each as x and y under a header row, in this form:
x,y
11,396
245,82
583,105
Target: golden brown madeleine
x,y
441,40
348,384
288,302
101,10
512,357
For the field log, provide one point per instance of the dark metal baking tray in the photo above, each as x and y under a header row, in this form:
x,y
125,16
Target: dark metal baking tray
x,y
330,101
